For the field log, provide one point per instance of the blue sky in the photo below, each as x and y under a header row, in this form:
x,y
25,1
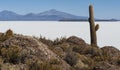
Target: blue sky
x,y
102,8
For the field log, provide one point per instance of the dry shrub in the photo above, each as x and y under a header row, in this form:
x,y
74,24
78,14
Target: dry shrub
x,y
71,58
46,41
48,66
55,61
11,54
59,40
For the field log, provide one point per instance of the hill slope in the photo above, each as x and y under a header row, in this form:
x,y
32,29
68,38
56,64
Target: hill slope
x,y
18,52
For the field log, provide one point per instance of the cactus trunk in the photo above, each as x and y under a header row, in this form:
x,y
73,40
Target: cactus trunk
x,y
93,28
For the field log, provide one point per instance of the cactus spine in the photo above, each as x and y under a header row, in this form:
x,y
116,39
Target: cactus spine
x,y
93,27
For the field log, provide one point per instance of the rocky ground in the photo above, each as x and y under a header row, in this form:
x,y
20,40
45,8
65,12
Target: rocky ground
x,y
18,52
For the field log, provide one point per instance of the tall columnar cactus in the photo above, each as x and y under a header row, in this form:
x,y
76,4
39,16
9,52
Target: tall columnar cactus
x,y
93,27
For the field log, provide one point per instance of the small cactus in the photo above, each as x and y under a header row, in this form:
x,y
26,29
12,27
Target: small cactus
x,y
93,28
9,33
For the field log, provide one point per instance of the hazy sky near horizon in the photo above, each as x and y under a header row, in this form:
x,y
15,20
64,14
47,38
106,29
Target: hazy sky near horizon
x,y
102,8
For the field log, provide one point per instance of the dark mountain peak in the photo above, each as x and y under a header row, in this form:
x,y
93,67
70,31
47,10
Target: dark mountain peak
x,y
6,13
50,12
53,10
30,14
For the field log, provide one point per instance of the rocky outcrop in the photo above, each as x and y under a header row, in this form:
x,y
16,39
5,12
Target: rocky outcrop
x,y
30,44
18,52
31,49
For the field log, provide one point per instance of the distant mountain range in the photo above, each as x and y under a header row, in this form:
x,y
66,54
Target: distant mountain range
x,y
51,15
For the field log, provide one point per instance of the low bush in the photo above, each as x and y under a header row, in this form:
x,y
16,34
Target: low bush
x,y
46,41
11,54
48,66
59,40
71,58
55,62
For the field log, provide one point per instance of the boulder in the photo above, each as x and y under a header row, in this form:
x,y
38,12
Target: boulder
x,y
76,40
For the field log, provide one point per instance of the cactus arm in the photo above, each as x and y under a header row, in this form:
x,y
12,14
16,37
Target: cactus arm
x,y
97,27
